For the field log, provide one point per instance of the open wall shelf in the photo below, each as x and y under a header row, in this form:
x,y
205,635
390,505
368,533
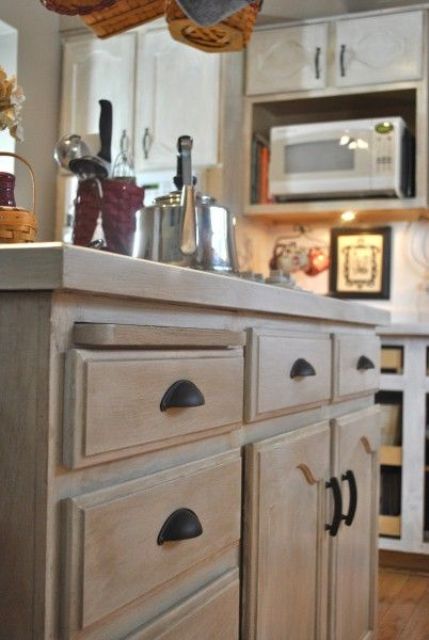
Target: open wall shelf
x,y
403,99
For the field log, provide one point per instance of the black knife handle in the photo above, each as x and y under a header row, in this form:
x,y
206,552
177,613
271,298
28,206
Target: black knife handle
x,y
105,128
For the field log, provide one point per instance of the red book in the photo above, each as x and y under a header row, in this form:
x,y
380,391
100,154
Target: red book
x,y
264,160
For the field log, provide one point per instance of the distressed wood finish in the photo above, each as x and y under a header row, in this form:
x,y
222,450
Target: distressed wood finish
x,y
112,403
131,335
271,391
57,266
354,558
112,553
349,380
211,614
285,542
24,402
80,561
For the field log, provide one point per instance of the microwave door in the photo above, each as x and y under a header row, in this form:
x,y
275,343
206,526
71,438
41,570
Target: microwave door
x,y
330,163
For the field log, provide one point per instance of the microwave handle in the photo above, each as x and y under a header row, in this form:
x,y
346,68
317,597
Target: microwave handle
x,y
343,60
317,62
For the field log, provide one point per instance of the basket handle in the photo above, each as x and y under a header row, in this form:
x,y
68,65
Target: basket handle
x,y
28,165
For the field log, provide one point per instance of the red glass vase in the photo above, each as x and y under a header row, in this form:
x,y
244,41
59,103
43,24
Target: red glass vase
x,y
7,189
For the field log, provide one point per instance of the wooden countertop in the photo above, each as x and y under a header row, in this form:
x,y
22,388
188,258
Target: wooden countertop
x,y
56,266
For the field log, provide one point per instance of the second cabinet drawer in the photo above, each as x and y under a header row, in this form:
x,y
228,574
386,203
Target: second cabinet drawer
x,y
287,370
126,541
357,365
113,400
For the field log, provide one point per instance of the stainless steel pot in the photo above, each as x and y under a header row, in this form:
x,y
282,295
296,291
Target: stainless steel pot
x,y
158,234
186,228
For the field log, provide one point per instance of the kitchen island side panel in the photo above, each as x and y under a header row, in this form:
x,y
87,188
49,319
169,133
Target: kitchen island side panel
x,y
24,352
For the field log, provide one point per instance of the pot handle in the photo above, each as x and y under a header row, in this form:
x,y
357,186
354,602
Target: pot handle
x,y
188,240
28,165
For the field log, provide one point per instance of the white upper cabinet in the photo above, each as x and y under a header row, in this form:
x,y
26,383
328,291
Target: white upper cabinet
x,y
290,59
93,70
383,48
350,52
177,94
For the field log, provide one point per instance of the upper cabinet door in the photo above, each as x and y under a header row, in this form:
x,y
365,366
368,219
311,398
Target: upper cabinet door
x,y
384,48
285,541
291,59
93,70
178,94
354,551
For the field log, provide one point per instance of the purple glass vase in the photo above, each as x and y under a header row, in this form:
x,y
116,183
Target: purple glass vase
x,y
7,189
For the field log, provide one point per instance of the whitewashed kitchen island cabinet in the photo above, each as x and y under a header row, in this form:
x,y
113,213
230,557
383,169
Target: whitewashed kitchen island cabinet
x,y
165,471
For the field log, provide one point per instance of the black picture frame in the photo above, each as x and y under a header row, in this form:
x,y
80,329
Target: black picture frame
x,y
360,269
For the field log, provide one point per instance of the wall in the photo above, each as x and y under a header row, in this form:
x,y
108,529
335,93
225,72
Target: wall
x,y
409,296
39,59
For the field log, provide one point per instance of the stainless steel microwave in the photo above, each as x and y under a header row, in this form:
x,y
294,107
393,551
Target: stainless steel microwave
x,y
357,158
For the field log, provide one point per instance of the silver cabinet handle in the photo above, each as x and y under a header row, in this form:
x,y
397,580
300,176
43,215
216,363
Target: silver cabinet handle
x,y
317,62
343,61
147,142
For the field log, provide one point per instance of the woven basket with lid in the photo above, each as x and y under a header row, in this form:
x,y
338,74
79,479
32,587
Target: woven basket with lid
x,y
18,224
123,15
232,34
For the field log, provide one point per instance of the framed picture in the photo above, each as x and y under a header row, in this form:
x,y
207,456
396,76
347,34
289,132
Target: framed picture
x,y
360,263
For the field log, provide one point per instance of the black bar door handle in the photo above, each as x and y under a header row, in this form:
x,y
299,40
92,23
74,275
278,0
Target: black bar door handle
x,y
349,476
317,63
343,60
182,524
364,364
302,369
338,507
182,393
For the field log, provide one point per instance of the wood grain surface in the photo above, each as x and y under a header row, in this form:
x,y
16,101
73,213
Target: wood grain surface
x,y
403,605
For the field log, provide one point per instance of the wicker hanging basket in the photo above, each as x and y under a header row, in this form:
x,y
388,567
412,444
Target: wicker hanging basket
x,y
76,7
17,224
123,15
232,34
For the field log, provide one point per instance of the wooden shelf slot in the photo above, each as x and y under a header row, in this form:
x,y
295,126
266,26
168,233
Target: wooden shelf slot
x,y
391,456
389,526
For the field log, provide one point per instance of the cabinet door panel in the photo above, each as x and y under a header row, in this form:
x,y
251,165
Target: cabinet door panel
x,y
289,59
178,93
384,48
285,538
354,551
93,70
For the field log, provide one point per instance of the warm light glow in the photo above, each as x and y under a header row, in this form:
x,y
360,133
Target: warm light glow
x,y
348,216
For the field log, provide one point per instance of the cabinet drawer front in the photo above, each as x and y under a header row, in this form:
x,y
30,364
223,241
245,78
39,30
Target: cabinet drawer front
x,y
288,59
357,368
212,614
273,390
113,552
112,404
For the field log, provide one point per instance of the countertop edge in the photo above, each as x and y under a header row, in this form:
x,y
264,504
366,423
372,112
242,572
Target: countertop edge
x,y
56,266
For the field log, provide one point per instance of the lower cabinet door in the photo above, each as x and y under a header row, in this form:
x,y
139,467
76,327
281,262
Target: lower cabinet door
x,y
356,439
285,541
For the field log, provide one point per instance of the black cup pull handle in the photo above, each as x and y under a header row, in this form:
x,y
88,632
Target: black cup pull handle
x,y
182,524
343,60
338,507
302,369
181,394
365,364
349,476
